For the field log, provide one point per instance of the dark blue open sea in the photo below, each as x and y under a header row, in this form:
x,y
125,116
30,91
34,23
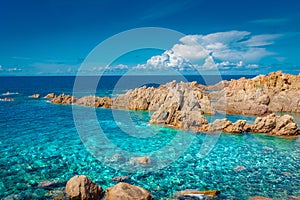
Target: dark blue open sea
x,y
39,141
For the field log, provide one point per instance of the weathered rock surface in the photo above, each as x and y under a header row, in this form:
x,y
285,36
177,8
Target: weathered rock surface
x,y
94,101
82,188
181,105
224,125
261,95
275,125
63,99
125,191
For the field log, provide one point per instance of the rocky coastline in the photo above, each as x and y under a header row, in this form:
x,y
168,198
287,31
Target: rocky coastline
x,y
182,105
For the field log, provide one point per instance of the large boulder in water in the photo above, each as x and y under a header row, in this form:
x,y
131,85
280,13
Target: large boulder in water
x,y
125,191
275,125
82,188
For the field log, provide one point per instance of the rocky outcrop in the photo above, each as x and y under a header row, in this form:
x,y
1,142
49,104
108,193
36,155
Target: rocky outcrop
x,y
82,188
125,191
63,99
224,125
94,101
261,95
50,96
275,125
35,96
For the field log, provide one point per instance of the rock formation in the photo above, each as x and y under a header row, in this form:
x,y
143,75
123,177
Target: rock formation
x,y
261,95
82,188
50,96
35,96
224,125
181,105
63,99
275,125
125,191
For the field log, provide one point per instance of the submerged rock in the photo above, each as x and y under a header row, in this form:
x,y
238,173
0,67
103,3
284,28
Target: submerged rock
x,y
82,188
48,185
121,179
125,191
195,194
140,160
259,198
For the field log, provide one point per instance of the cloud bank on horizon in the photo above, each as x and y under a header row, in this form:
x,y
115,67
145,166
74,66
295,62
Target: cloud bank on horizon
x,y
221,50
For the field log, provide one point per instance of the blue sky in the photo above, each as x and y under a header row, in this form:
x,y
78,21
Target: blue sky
x,y
235,37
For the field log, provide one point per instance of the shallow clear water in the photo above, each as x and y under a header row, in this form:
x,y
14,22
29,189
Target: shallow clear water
x,y
39,141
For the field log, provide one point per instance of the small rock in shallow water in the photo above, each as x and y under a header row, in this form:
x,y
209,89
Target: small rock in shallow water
x,y
81,187
125,191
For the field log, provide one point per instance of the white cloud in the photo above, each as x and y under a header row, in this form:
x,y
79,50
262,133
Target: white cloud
x,y
232,49
14,69
1,68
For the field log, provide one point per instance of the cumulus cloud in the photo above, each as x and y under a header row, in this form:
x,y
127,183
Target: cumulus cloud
x,y
1,68
224,50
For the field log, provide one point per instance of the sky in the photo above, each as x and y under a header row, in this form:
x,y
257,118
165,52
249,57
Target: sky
x,y
55,37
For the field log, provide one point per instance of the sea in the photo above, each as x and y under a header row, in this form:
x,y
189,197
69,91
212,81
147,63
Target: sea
x,y
42,142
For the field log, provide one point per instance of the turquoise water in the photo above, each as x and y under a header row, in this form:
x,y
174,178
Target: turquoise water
x,y
39,141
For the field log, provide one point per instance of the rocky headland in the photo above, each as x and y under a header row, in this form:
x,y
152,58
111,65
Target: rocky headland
x,y
182,105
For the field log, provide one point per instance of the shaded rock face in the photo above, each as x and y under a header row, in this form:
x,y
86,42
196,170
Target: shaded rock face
x,y
261,95
82,188
125,191
275,125
183,106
